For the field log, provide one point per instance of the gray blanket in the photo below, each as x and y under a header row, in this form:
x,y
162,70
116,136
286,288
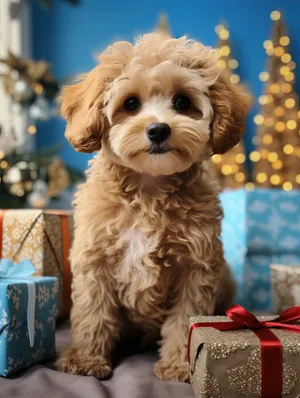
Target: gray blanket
x,y
132,378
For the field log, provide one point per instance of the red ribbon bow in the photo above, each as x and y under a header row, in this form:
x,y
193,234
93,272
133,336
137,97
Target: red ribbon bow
x,y
271,349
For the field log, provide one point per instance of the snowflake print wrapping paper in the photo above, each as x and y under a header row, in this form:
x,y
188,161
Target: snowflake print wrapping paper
x,y
15,350
260,228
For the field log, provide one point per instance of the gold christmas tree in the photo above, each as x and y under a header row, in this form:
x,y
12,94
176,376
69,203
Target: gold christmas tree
x,y
229,168
276,162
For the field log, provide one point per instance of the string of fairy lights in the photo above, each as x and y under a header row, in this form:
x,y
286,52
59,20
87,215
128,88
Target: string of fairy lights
x,y
278,123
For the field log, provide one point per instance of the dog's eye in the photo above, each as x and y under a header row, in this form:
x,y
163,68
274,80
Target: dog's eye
x,y
132,104
181,103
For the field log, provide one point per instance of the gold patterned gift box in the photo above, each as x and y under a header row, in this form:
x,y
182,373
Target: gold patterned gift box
x,y
44,237
285,286
227,364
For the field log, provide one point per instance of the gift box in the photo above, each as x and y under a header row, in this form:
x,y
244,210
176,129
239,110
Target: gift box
x,y
43,237
28,310
285,286
236,360
260,227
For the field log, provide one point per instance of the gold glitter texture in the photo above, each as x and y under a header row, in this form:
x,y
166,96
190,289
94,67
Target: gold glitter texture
x,y
246,379
220,345
210,386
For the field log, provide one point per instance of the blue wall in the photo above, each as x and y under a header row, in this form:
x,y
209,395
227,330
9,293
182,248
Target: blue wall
x,y
70,37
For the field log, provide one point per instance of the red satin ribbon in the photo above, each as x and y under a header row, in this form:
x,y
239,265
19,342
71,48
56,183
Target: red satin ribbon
x,y
271,349
66,243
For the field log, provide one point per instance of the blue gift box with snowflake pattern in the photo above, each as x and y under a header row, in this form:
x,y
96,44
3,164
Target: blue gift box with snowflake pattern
x,y
16,350
260,227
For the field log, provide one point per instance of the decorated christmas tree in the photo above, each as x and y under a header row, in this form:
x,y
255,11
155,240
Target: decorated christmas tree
x,y
229,168
276,162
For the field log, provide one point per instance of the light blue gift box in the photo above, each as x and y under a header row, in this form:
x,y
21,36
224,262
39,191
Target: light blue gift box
x,y
28,310
260,227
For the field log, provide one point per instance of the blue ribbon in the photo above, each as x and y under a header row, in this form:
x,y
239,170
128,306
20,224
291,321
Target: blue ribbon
x,y
22,271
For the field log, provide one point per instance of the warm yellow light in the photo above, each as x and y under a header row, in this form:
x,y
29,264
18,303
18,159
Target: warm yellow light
x,y
225,51
288,149
270,51
278,51
274,88
272,157
258,119
279,111
269,122
3,164
226,169
289,77
218,28
275,179
254,156
264,154
38,88
287,186
31,129
297,151
284,41
285,58
2,154
233,63
222,64
261,177
291,124
263,99
267,139
239,177
284,70
234,79
275,15
264,76
286,88
216,159
224,34
280,127
277,165
298,178
240,158
268,44
249,186
290,103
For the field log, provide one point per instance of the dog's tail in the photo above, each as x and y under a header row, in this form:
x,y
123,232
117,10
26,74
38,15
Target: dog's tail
x,y
162,26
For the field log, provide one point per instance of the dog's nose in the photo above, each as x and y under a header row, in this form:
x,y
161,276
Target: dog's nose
x,y
158,132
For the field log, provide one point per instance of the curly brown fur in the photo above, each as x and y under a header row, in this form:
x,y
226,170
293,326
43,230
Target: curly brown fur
x,y
147,251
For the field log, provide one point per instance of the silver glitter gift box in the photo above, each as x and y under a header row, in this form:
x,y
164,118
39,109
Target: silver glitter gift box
x,y
227,364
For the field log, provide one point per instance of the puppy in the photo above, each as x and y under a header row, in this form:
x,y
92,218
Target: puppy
x,y
147,253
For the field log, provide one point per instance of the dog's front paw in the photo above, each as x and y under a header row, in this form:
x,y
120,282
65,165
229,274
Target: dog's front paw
x,y
76,362
166,370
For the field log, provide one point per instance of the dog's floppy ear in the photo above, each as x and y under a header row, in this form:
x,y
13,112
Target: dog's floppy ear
x,y
231,103
82,107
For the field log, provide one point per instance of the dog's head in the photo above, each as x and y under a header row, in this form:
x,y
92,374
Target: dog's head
x,y
157,107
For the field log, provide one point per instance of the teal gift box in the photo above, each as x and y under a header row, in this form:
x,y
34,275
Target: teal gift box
x,y
28,310
260,227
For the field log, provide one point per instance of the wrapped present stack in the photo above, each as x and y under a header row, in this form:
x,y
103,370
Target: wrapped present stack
x,y
285,286
28,310
260,228
44,238
241,355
